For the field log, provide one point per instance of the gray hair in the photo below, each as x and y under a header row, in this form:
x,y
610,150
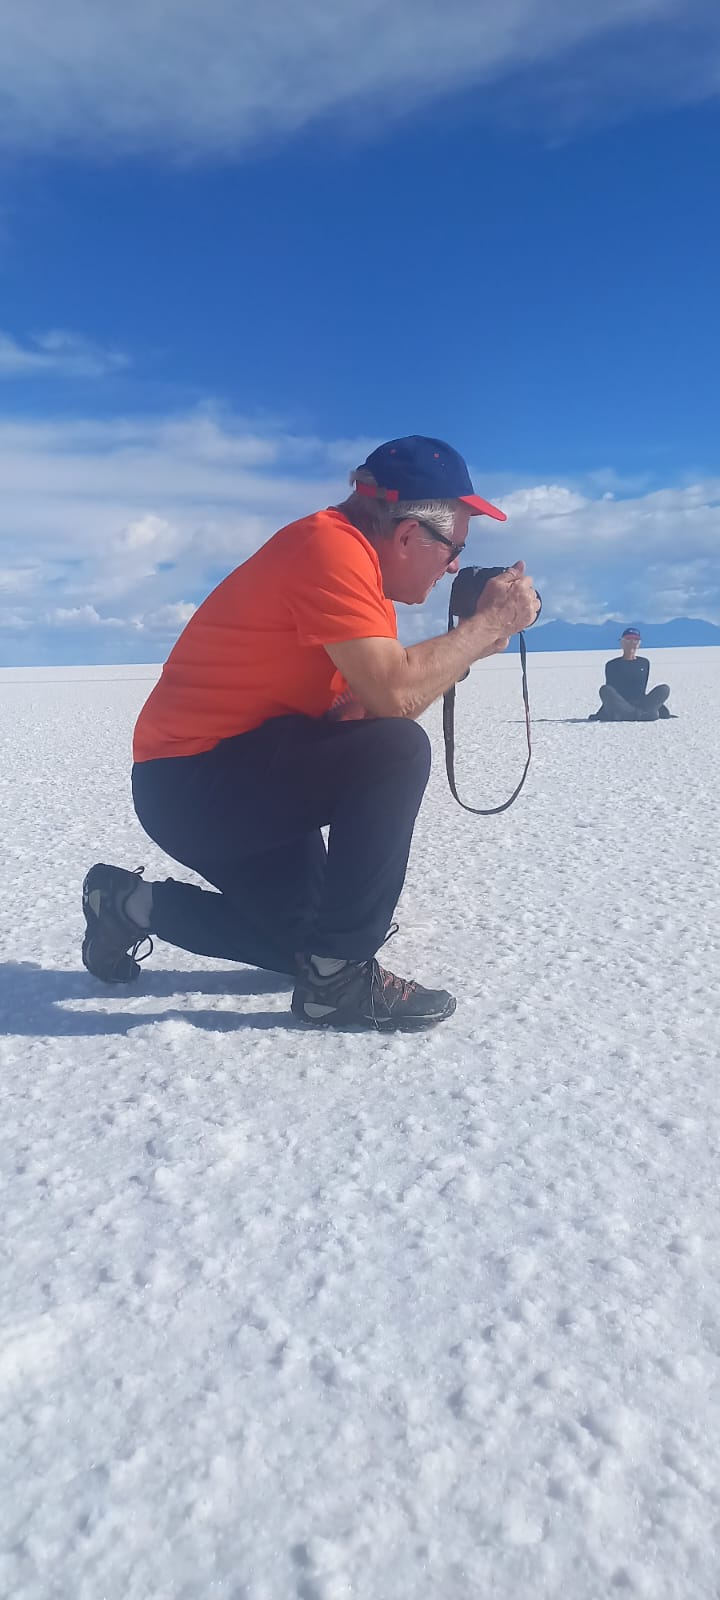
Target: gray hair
x,y
376,516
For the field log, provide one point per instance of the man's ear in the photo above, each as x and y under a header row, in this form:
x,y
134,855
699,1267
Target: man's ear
x,y
403,531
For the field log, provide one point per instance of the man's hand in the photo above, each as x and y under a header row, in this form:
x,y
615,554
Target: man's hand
x,y
507,604
347,708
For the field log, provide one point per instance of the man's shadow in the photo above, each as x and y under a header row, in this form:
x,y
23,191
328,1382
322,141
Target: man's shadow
x,y
37,1001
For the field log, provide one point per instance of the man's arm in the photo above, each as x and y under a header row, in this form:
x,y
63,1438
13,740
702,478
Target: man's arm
x,y
391,680
615,676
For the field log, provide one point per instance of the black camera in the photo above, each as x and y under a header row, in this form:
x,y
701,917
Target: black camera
x,y
468,587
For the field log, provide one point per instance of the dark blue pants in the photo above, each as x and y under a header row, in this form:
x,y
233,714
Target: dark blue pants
x,y
247,815
615,708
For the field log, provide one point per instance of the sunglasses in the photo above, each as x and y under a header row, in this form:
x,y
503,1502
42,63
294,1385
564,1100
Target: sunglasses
x,y
456,550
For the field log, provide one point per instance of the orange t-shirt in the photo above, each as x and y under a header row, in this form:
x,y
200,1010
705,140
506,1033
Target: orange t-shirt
x,y
254,649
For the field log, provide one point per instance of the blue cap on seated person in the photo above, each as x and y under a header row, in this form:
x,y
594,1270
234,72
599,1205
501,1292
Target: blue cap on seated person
x,y
418,468
630,633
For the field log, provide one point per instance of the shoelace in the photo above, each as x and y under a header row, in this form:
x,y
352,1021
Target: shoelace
x,y
380,977
134,952
138,947
406,986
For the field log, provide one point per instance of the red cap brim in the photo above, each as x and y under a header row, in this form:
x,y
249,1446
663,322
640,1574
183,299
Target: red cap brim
x,y
482,508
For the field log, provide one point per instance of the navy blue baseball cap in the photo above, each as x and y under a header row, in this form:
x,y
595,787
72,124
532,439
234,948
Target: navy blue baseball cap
x,y
630,633
417,468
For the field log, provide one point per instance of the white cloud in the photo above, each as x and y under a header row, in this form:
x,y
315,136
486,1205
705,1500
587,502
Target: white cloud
x,y
572,602
18,580
169,619
82,617
544,500
113,531
56,353
213,77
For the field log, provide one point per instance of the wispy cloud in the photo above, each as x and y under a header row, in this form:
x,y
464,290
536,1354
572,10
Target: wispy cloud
x,y
113,531
56,353
211,78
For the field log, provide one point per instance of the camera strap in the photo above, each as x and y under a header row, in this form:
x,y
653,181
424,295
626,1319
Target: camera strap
x,y
449,737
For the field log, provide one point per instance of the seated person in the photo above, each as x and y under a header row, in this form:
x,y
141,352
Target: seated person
x,y
624,693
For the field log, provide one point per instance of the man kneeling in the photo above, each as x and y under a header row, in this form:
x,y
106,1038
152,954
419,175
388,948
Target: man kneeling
x,y
288,704
624,693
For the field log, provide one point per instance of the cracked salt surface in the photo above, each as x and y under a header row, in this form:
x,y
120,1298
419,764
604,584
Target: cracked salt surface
x,y
296,1315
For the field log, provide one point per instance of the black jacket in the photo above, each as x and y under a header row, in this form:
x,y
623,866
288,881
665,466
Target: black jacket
x,y
628,678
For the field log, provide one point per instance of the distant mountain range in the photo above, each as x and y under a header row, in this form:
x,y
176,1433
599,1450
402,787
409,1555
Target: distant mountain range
x,y
682,631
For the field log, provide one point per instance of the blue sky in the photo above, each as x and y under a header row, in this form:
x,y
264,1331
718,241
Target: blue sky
x,y
233,256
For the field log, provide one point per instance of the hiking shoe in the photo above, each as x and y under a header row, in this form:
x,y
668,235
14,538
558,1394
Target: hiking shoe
x,y
112,939
365,994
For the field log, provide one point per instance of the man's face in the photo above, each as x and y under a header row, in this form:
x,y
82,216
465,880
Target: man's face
x,y
416,558
630,648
